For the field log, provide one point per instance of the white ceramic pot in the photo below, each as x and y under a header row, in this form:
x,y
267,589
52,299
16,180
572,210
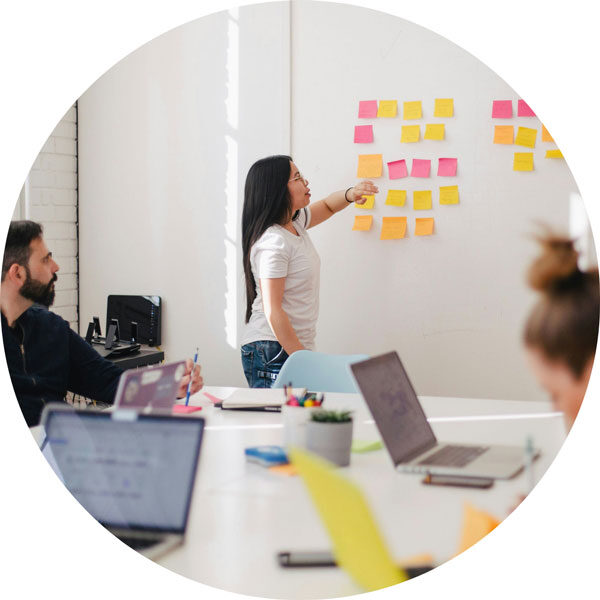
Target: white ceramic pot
x,y
331,441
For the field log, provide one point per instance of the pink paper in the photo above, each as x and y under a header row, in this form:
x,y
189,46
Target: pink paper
x,y
524,110
185,410
367,109
363,134
420,168
397,169
502,109
212,398
447,167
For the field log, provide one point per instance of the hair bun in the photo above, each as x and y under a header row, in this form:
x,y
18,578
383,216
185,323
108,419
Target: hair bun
x,y
556,266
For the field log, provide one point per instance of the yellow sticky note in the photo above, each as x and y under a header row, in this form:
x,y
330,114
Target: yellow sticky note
x,y
554,154
413,110
422,200
369,165
449,194
444,107
476,525
523,161
424,226
369,202
546,137
526,137
396,198
410,133
504,134
393,228
435,131
387,108
362,222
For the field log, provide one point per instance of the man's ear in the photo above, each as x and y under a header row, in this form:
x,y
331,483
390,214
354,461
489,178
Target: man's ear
x,y
17,274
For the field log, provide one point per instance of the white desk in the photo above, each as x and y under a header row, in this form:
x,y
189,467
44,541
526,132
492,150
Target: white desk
x,y
242,514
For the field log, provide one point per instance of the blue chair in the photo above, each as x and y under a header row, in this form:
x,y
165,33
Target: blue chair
x,y
319,372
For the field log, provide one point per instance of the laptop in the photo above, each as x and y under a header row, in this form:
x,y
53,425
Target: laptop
x,y
133,473
151,388
407,435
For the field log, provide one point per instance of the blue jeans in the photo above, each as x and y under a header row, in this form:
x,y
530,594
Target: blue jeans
x,y
262,362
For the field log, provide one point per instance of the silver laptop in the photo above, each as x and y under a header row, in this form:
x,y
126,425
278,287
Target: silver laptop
x,y
134,473
407,435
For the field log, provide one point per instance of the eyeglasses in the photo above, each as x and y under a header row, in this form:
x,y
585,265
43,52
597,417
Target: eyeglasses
x,y
299,177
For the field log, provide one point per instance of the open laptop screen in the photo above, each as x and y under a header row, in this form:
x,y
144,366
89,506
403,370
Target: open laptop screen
x,y
394,405
127,470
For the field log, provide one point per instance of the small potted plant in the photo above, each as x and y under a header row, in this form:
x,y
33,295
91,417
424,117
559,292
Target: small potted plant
x,y
329,434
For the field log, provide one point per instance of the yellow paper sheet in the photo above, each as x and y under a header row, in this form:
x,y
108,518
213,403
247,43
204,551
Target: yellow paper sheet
x,y
526,137
444,107
449,194
504,134
410,133
387,108
546,137
393,228
396,198
523,161
413,110
358,545
554,154
435,131
362,222
369,165
424,226
422,200
368,204
476,525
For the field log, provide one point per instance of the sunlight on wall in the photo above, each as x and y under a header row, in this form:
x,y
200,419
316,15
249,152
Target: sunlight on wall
x,y
231,186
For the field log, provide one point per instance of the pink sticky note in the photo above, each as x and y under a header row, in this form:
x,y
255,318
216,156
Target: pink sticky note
x,y
524,110
363,134
397,169
420,168
185,410
502,109
447,167
367,109
212,398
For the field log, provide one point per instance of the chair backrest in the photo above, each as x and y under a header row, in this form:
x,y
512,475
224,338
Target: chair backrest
x,y
319,372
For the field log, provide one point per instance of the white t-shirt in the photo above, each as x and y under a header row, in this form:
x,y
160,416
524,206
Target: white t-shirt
x,y
280,253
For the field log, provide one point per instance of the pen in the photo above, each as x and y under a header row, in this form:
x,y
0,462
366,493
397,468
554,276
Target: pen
x,y
189,388
529,463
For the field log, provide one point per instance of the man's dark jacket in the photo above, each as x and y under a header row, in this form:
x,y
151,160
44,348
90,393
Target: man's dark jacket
x,y
46,358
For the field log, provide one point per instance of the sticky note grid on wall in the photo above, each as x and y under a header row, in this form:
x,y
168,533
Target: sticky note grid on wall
x,y
406,175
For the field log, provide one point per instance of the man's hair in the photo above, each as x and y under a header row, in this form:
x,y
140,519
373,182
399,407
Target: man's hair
x,y
17,250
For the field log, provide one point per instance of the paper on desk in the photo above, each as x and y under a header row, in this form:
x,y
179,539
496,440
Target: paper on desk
x,y
476,525
252,397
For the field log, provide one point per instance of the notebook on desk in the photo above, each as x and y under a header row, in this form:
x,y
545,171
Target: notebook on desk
x,y
120,467
407,435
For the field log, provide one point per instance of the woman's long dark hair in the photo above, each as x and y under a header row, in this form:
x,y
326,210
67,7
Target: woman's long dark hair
x,y
266,203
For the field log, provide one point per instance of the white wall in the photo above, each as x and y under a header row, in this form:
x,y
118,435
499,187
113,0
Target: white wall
x,y
165,146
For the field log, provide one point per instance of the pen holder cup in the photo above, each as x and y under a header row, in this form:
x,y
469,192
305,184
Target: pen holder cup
x,y
295,419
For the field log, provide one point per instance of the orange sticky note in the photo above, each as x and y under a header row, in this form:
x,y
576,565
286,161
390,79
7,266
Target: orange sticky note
x,y
289,470
369,165
546,137
393,228
523,161
362,222
422,200
396,198
424,226
504,134
476,525
449,194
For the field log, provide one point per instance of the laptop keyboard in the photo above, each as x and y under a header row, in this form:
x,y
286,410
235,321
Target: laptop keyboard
x,y
138,543
454,456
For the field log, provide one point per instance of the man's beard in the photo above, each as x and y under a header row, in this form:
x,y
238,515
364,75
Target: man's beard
x,y
42,293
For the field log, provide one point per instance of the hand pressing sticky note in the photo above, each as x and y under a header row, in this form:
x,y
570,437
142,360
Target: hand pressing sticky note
x,y
526,137
523,109
523,161
367,109
449,194
435,131
420,168
396,198
413,110
444,107
387,108
554,154
504,134
502,109
362,222
397,169
368,203
410,133
363,134
546,137
447,167
369,165
422,200
393,228
424,226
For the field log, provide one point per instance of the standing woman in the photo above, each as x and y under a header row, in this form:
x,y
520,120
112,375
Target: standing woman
x,y
281,265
